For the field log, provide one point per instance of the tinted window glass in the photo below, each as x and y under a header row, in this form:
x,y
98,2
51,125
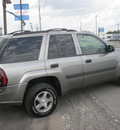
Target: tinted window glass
x,y
2,41
91,44
61,46
22,49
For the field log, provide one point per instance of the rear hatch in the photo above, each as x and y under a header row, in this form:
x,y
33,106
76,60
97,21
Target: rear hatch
x,y
3,42
3,78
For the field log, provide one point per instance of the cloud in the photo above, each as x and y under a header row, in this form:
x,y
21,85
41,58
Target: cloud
x,y
67,14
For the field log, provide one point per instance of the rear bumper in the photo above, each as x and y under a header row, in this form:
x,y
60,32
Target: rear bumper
x,y
12,94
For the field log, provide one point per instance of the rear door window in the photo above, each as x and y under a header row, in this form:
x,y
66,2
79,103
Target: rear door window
x,y
61,45
22,49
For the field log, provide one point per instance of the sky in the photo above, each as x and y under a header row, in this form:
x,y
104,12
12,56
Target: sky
x,y
70,14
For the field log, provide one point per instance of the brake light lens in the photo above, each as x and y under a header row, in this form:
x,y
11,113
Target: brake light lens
x,y
3,78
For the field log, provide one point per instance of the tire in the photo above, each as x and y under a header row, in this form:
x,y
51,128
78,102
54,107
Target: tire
x,y
41,100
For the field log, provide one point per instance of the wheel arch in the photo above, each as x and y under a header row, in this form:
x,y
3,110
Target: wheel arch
x,y
53,81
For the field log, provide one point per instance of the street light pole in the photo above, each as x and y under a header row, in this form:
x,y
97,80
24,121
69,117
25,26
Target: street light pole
x,y
39,14
80,26
21,15
118,31
96,24
4,15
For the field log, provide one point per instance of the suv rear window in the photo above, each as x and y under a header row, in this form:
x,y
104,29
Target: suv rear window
x,y
22,49
2,41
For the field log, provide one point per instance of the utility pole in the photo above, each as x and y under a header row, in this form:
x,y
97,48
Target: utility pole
x,y
80,26
21,15
4,15
31,26
118,31
96,24
115,25
39,14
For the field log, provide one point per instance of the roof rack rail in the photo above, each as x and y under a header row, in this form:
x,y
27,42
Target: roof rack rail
x,y
19,31
57,29
70,30
60,29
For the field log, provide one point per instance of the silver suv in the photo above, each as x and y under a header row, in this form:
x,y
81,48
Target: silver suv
x,y
37,67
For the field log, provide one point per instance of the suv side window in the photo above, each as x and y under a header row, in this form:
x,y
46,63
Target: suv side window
x,y
61,46
91,44
2,41
22,49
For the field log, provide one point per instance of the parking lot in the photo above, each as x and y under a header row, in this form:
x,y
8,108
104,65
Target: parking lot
x,y
116,44
93,108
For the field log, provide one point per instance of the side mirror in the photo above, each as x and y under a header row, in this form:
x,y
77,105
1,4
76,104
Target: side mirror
x,y
110,48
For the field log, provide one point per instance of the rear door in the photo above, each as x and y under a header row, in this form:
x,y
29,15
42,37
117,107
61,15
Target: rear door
x,y
99,65
62,61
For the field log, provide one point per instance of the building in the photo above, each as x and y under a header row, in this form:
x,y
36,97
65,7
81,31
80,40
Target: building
x,y
105,37
110,37
116,36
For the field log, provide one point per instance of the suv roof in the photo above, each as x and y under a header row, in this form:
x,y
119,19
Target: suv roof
x,y
16,33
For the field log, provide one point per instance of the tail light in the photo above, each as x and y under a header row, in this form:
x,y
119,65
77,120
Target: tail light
x,y
3,78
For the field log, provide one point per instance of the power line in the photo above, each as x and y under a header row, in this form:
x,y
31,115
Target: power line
x,y
110,27
44,7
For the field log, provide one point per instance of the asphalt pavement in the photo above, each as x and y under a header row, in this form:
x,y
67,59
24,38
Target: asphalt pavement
x,y
116,44
93,108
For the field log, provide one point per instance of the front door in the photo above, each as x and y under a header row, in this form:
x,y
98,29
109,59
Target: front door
x,y
99,65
